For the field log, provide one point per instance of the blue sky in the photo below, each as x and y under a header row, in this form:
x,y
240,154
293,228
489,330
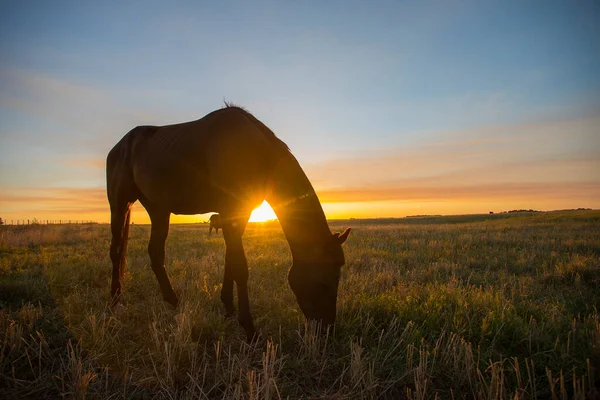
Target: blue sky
x,y
398,107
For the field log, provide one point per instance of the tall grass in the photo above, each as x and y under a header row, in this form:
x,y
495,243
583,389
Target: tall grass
x,y
492,309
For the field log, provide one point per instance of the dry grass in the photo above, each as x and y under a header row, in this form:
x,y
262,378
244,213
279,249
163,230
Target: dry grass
x,y
494,308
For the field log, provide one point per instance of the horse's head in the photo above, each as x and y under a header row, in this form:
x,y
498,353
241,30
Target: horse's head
x,y
314,279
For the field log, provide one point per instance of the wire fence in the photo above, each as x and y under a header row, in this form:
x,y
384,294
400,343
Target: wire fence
x,y
45,222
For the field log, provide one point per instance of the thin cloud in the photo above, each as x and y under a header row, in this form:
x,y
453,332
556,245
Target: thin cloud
x,y
66,203
81,114
14,199
554,163
559,150
576,191
94,162
63,120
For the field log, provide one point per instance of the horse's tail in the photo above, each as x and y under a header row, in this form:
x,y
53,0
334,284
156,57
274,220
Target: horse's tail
x,y
122,193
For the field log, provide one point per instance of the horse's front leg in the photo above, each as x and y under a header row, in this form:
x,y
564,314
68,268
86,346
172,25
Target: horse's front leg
x,y
227,290
236,269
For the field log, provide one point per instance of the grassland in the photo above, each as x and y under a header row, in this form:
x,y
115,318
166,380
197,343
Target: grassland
x,y
487,307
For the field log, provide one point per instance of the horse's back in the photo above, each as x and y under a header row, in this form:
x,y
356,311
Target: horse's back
x,y
201,165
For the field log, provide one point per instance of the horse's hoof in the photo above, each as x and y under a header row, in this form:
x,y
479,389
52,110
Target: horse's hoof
x,y
118,309
252,338
230,313
173,301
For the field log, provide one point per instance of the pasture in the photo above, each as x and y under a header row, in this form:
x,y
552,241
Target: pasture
x,y
492,306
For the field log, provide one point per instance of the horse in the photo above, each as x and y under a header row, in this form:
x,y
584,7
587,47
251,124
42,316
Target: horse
x,y
226,162
215,222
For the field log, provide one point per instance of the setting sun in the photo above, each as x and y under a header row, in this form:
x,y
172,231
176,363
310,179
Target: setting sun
x,y
262,213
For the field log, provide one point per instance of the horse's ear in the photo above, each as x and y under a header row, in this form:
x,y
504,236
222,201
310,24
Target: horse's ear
x,y
341,238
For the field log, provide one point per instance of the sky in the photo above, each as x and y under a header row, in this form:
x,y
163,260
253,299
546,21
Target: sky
x,y
392,108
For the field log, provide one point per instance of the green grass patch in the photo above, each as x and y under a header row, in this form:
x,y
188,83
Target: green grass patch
x,y
491,306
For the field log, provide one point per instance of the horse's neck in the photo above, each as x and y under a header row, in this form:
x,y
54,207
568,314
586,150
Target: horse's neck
x,y
297,207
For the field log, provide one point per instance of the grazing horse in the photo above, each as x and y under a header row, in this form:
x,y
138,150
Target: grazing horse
x,y
226,162
215,222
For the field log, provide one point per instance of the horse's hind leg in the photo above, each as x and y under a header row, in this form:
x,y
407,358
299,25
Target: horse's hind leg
x,y
120,210
156,250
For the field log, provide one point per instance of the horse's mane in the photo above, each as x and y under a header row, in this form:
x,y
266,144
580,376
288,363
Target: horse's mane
x,y
231,104
269,134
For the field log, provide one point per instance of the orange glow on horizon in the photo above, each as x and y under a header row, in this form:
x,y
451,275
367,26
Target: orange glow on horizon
x,y
90,204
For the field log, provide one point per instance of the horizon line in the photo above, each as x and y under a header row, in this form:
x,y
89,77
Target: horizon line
x,y
36,221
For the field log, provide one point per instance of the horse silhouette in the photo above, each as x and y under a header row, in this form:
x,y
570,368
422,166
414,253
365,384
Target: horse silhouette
x,y
215,222
226,162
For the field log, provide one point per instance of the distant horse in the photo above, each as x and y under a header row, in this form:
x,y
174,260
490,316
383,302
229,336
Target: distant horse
x,y
215,222
226,162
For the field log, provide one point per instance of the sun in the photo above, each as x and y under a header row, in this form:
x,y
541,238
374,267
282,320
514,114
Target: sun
x,y
262,213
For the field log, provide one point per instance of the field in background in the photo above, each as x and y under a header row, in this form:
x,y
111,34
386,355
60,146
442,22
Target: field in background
x,y
497,306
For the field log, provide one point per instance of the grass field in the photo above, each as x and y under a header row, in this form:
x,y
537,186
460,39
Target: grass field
x,y
498,306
